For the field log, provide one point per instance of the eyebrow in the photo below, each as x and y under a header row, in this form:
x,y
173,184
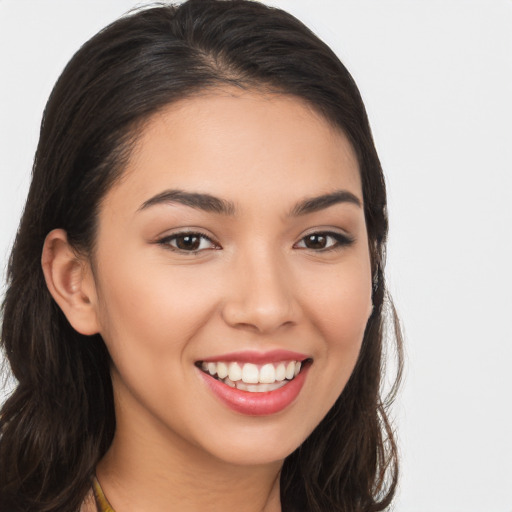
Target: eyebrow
x,y
196,200
315,204
210,203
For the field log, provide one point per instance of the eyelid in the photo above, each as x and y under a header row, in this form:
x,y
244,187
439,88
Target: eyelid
x,y
164,241
342,240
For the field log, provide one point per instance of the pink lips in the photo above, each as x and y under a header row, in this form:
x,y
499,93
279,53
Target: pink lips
x,y
257,404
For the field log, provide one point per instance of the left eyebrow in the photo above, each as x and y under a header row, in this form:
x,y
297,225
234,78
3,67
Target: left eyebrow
x,y
315,204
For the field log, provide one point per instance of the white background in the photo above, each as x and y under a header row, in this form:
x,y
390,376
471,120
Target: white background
x,y
436,76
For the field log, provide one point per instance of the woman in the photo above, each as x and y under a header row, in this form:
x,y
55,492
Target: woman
x,y
195,303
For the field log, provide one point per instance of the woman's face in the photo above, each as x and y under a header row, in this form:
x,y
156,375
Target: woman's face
x,y
236,237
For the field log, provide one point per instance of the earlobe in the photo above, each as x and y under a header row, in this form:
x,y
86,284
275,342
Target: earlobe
x,y
70,282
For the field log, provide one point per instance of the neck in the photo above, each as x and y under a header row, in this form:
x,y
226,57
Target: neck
x,y
132,483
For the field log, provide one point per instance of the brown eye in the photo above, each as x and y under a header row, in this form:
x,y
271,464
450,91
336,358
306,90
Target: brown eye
x,y
324,241
315,241
188,242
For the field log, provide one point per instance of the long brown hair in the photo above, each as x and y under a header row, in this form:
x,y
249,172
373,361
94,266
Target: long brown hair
x,y
59,421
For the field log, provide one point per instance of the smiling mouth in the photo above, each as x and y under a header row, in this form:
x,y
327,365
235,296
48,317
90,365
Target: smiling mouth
x,y
255,378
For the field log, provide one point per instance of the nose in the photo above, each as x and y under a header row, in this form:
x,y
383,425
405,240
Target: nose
x,y
261,295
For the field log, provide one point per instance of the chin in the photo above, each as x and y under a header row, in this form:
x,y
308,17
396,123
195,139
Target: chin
x,y
256,454
266,441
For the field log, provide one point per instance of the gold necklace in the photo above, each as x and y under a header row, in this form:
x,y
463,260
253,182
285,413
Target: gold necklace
x,y
101,500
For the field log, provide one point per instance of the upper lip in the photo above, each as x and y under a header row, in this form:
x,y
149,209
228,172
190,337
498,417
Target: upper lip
x,y
255,357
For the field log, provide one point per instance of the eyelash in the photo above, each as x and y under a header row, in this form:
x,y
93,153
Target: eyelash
x,y
340,241
166,241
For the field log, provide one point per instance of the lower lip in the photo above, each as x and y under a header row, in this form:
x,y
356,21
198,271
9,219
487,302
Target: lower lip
x,y
256,404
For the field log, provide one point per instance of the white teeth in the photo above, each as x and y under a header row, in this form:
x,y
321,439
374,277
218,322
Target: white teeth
x,y
280,372
251,377
234,372
268,373
290,370
222,370
242,385
259,388
250,374
230,383
212,368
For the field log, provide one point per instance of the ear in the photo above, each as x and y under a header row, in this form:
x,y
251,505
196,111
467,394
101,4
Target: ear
x,y
71,283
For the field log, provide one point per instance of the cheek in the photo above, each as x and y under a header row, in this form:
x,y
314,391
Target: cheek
x,y
340,305
341,302
347,313
149,314
149,305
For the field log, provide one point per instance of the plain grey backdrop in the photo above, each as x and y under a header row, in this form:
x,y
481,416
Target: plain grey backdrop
x,y
436,77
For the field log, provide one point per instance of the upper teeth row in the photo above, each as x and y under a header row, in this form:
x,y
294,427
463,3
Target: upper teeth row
x,y
253,374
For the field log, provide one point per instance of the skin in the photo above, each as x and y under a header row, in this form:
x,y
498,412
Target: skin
x,y
257,286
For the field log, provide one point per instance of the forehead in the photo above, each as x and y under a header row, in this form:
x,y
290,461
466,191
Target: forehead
x,y
229,143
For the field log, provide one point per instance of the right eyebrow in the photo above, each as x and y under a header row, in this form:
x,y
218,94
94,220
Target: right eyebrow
x,y
205,202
